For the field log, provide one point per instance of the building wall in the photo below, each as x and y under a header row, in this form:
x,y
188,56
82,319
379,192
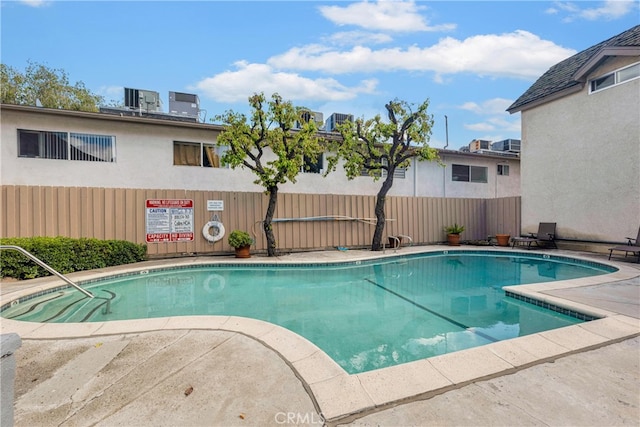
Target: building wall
x,y
496,185
580,162
106,200
144,159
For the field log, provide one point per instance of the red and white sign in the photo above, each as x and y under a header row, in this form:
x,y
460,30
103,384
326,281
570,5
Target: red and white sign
x,y
169,220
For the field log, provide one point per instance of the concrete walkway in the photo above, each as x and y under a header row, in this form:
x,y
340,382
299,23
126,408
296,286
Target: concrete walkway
x,y
201,372
165,378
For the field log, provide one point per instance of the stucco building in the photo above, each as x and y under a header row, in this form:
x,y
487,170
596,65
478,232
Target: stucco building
x,y
124,176
52,147
581,143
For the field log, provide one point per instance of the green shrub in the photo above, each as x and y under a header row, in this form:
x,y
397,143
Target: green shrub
x,y
66,255
239,238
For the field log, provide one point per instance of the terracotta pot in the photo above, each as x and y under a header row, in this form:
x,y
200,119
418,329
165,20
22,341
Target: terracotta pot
x,y
503,239
453,239
243,252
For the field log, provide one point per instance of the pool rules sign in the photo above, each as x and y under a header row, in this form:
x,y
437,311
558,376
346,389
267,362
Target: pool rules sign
x,y
169,220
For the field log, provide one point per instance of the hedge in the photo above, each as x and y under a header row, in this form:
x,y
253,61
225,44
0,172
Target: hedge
x,y
66,255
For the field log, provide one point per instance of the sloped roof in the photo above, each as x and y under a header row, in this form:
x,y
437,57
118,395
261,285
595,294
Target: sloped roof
x,y
562,76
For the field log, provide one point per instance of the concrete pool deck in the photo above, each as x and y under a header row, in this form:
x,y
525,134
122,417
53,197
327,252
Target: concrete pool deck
x,y
220,370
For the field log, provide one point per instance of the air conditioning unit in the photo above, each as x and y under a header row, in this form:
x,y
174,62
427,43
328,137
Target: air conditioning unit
x,y
479,144
307,115
336,119
184,104
510,145
144,100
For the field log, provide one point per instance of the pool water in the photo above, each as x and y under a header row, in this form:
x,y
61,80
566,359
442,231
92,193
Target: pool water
x,y
365,315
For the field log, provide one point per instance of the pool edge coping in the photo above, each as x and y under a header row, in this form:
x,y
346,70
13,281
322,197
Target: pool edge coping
x,y
340,396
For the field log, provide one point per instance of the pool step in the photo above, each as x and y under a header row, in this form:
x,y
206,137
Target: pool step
x,y
79,308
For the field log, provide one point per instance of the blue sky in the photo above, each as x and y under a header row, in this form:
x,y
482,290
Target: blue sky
x,y
471,59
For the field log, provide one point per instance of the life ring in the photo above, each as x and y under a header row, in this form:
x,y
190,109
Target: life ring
x,y
215,236
214,283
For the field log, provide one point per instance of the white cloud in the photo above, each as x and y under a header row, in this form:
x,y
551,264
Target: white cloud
x,y
497,118
519,54
248,78
351,38
111,91
480,127
35,3
607,10
383,15
490,106
611,9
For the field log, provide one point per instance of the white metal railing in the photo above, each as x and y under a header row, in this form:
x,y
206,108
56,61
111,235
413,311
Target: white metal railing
x,y
45,266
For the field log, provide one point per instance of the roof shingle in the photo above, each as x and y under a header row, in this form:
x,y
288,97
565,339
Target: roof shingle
x,y
560,76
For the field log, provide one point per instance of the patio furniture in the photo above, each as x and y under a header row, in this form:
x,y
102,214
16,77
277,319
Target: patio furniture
x,y
630,247
545,237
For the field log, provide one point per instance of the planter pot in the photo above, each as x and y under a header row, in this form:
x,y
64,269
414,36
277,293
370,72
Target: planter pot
x,y
395,242
453,239
503,239
243,252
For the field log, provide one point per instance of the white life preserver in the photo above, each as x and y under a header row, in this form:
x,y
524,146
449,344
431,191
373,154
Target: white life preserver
x,y
215,236
214,283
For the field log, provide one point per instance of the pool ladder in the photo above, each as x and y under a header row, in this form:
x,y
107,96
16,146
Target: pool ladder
x,y
45,266
398,243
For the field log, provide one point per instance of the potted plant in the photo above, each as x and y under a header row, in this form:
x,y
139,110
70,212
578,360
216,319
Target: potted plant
x,y
453,234
503,239
241,241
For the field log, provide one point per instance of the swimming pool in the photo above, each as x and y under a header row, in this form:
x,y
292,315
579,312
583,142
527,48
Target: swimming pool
x,y
365,315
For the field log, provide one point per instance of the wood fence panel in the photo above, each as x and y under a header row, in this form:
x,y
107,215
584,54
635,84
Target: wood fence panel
x,y
313,221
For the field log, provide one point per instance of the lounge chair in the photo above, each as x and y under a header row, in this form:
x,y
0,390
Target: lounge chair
x,y
630,247
545,237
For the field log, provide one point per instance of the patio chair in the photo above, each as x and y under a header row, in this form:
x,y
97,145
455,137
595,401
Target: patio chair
x,y
545,237
630,247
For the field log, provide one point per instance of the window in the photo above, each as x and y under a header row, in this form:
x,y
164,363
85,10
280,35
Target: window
x,y
619,76
466,173
94,148
313,165
365,172
478,174
399,173
197,154
66,146
503,170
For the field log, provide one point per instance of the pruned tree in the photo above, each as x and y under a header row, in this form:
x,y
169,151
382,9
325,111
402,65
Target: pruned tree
x,y
382,147
268,144
46,87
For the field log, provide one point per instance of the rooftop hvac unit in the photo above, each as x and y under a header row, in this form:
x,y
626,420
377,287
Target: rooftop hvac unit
x,y
306,116
510,145
139,99
184,104
336,119
479,144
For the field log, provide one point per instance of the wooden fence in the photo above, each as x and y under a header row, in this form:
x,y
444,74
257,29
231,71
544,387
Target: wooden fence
x,y
302,221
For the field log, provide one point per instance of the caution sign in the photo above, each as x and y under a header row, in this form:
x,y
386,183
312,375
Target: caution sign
x,y
169,220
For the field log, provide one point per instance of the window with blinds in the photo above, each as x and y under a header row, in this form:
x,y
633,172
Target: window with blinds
x,y
66,146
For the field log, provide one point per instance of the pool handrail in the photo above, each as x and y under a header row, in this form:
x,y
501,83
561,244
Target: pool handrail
x,y
47,267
